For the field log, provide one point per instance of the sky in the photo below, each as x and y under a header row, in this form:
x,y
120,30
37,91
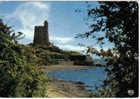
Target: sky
x,y
63,22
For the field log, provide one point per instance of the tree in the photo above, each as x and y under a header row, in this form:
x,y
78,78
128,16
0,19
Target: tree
x,y
119,22
18,77
9,32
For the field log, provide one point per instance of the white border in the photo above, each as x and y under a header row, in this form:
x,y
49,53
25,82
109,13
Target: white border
x,y
81,0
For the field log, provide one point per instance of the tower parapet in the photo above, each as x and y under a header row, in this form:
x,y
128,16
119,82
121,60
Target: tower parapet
x,y
41,35
46,23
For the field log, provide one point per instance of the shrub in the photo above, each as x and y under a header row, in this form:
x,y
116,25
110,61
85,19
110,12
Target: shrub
x,y
18,77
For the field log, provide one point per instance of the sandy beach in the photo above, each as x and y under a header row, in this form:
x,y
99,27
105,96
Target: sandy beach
x,y
66,89
62,67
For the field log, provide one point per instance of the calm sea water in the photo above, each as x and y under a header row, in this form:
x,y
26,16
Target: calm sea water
x,y
90,77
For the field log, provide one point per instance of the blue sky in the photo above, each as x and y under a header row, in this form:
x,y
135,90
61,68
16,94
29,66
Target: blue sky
x,y
64,22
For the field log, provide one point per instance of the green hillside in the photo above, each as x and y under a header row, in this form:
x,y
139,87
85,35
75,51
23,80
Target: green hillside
x,y
54,55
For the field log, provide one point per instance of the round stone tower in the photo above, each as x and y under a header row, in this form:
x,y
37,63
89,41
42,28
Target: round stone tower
x,y
41,35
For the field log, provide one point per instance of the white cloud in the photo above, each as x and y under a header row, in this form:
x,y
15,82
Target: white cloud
x,y
62,40
72,47
30,14
40,5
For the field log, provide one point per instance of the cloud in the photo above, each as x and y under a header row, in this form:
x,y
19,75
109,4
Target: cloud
x,y
40,5
62,40
30,14
72,47
83,49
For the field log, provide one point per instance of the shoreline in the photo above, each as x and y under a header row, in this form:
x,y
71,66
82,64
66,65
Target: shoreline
x,y
51,68
66,89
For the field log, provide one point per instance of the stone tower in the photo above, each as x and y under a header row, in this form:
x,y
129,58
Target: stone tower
x,y
41,35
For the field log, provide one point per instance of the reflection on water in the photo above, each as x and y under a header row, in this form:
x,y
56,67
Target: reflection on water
x,y
91,76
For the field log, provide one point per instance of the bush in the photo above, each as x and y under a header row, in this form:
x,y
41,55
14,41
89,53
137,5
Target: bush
x,y
49,60
18,77
86,63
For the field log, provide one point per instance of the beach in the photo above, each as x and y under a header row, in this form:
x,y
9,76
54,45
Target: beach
x,y
62,67
67,89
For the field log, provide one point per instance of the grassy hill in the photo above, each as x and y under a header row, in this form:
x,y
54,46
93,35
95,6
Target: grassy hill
x,y
53,55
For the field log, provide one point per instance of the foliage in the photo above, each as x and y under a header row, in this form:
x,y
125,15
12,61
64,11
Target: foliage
x,y
84,63
88,61
53,55
45,56
9,33
19,77
119,23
